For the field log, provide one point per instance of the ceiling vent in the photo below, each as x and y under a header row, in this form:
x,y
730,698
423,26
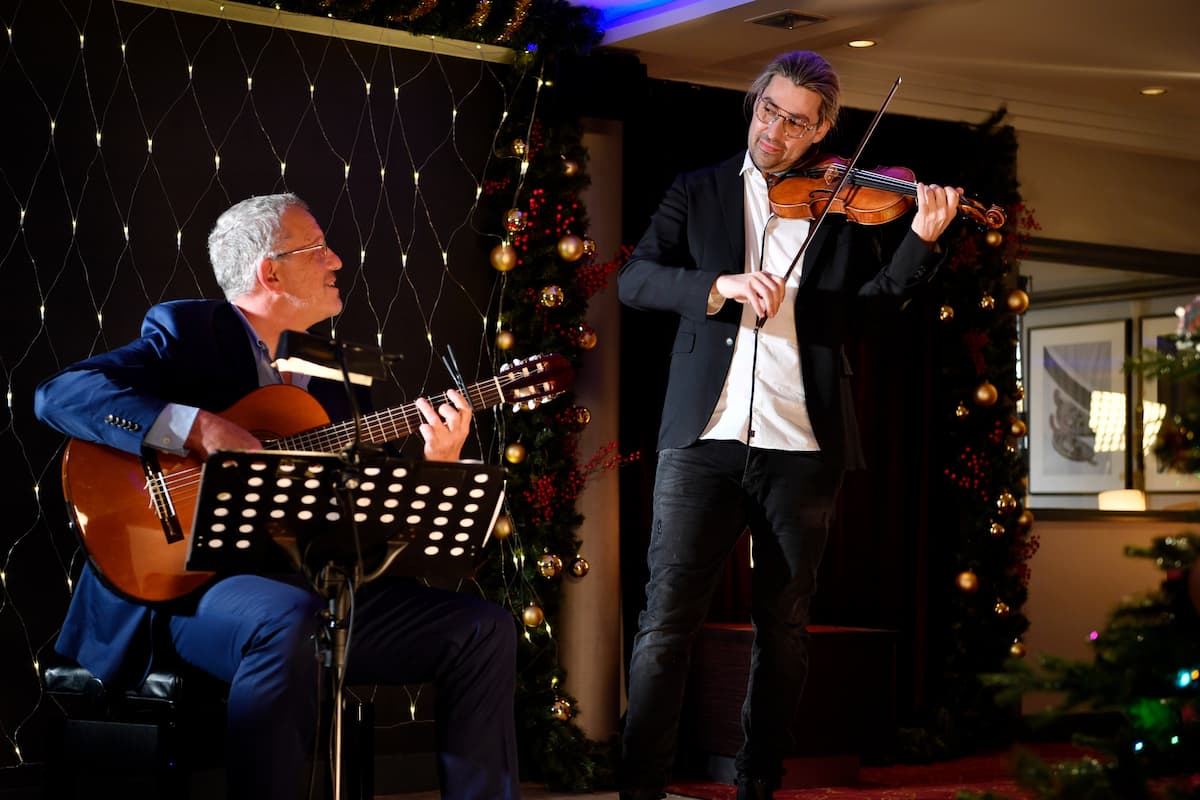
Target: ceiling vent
x,y
787,20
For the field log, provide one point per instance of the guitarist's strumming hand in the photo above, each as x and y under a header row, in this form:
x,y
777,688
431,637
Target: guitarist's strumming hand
x,y
211,432
445,430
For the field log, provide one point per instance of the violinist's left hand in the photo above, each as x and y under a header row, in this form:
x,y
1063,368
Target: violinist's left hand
x,y
937,206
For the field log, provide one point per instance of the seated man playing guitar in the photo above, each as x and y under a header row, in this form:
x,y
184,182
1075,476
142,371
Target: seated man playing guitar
x,y
165,392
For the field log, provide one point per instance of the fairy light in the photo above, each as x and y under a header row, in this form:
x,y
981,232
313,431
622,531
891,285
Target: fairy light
x,y
125,230
346,169
189,72
445,258
312,89
51,126
282,168
217,160
42,314
100,318
74,225
249,83
412,709
524,167
416,178
379,339
81,41
362,255
178,239
9,394
149,145
21,221
382,171
97,138
396,92
122,50
478,192
368,88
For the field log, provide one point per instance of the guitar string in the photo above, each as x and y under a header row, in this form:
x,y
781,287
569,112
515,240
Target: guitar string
x,y
330,438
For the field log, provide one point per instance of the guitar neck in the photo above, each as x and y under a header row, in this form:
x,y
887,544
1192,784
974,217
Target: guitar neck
x,y
383,426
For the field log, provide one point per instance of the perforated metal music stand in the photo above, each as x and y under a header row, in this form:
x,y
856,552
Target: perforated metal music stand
x,y
342,524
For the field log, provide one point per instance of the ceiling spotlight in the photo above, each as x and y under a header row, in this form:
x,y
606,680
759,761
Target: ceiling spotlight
x,y
1153,91
862,43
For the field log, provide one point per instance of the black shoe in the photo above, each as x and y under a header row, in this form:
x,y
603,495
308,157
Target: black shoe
x,y
754,790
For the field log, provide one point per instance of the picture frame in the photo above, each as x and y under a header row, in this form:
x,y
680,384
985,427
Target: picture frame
x,y
1079,414
1155,477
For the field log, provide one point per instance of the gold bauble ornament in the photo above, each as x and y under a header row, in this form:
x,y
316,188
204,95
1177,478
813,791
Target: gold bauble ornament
x,y
580,567
993,238
504,257
505,340
1017,428
986,394
561,710
1017,301
987,302
1025,519
582,415
585,336
996,529
570,247
552,296
962,412
515,220
589,247
549,565
514,453
570,168
1001,609
968,582
1017,650
532,616
503,527
1006,502
518,147
1019,392
946,313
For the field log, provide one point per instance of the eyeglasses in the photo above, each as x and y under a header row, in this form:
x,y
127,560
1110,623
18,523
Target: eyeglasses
x,y
793,127
321,248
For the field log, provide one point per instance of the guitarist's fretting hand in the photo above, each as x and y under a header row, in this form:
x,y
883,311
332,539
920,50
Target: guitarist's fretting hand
x,y
210,433
446,429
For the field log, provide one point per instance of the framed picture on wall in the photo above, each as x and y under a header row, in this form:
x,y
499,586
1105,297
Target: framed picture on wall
x,y
1153,409
1078,409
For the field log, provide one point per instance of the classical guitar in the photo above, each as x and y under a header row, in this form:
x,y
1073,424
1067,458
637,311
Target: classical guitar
x,y
134,514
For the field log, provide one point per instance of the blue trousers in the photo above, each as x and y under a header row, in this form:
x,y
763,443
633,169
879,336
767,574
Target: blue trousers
x,y
261,636
705,496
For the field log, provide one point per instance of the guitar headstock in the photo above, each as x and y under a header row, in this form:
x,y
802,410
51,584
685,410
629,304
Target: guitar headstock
x,y
529,382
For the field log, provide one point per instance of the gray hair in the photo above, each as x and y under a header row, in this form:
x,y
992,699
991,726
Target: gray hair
x,y
243,236
807,70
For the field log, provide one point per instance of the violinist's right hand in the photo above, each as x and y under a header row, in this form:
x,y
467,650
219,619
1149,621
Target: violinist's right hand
x,y
762,290
211,432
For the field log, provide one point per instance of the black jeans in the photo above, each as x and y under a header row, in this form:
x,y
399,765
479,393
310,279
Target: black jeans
x,y
704,498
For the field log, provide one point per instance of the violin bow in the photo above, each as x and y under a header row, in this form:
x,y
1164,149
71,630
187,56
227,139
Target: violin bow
x,y
812,230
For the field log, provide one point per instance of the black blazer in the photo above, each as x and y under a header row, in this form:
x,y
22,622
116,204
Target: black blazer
x,y
697,234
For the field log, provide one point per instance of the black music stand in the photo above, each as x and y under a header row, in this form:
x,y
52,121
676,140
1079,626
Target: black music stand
x,y
341,525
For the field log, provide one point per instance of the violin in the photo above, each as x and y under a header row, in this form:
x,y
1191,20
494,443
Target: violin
x,y
867,197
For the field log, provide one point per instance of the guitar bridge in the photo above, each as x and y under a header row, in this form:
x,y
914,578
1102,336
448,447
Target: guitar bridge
x,y
160,497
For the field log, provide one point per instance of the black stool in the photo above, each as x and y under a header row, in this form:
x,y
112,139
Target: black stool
x,y
147,740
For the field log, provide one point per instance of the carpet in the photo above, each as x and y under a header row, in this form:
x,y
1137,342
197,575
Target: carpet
x,y
990,772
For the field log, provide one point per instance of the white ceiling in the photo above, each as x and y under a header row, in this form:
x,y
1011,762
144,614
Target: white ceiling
x,y
1069,68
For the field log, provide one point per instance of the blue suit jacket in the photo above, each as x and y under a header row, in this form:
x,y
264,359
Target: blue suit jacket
x,y
698,234
194,352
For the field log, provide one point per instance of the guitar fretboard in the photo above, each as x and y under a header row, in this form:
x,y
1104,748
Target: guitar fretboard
x,y
383,426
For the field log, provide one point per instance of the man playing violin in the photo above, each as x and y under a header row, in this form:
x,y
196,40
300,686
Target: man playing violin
x,y
758,424
261,634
